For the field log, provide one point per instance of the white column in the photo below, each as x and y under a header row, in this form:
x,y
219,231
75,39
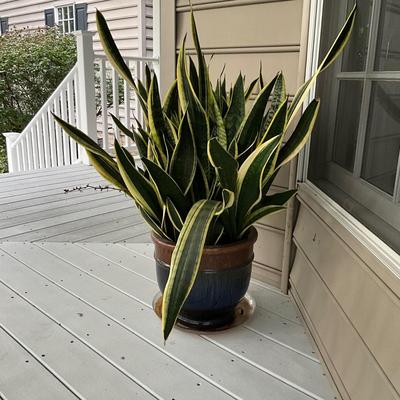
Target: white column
x,y
12,159
164,46
86,88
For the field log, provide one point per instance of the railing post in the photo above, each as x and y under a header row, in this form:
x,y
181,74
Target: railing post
x,y
12,159
86,88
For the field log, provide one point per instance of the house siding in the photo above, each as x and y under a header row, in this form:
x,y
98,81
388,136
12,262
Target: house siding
x,y
350,301
240,35
123,16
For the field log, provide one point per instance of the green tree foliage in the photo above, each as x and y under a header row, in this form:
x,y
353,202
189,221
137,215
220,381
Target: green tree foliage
x,y
32,64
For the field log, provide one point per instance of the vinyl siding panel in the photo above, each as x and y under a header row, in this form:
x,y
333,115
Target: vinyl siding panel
x,y
122,16
353,312
239,35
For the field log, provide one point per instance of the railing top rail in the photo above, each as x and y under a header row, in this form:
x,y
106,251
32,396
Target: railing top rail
x,y
129,58
48,102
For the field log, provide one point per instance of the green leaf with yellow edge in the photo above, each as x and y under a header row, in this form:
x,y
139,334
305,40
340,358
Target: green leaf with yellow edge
x,y
184,161
336,48
107,171
166,186
111,49
139,187
249,181
236,110
300,135
83,139
251,125
186,260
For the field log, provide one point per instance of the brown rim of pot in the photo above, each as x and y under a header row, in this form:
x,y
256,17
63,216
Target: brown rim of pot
x,y
225,256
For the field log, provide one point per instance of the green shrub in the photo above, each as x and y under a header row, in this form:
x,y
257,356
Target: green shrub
x,y
32,64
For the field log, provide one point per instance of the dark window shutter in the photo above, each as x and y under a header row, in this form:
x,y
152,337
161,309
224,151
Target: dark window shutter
x,y
3,25
49,17
81,17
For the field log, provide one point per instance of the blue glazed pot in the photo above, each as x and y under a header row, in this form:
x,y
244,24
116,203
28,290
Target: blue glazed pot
x,y
221,283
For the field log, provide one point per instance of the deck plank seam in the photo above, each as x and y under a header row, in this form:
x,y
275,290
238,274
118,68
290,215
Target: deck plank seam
x,y
265,370
314,359
98,181
63,223
37,218
58,184
113,230
37,358
87,198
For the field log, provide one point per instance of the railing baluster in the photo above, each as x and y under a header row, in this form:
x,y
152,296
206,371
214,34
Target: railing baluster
x,y
103,103
77,110
115,96
58,134
29,144
25,154
71,119
127,103
46,143
65,137
20,156
52,135
39,135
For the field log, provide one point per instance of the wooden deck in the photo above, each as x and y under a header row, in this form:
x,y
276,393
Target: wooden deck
x,y
76,318
33,206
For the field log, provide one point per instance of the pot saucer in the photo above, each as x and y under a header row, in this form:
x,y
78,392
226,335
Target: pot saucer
x,y
242,312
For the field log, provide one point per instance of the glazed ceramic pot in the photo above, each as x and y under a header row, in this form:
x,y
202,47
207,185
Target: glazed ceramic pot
x,y
221,283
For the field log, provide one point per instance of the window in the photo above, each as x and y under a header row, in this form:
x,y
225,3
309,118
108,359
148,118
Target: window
x,y
354,154
3,25
66,18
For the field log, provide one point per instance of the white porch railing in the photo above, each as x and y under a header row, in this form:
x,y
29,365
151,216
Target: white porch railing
x,y
90,91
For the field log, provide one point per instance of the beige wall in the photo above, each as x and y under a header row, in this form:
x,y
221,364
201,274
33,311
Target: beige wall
x,y
240,35
350,298
123,16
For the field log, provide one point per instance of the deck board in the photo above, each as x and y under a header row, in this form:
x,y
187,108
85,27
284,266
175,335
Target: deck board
x,y
33,206
77,281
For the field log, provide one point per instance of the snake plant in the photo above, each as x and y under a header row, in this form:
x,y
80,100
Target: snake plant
x,y
207,157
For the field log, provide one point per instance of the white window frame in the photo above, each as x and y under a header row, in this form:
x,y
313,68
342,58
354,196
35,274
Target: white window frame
x,y
376,200
57,6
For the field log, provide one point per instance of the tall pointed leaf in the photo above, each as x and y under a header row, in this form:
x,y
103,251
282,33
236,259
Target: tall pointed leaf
x,y
122,127
300,135
111,49
184,161
250,126
108,172
236,110
203,73
277,98
174,215
82,139
185,261
139,187
226,167
336,48
166,186
249,180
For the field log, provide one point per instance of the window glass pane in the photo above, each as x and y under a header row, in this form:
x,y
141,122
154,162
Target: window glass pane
x,y
71,26
346,124
342,124
355,55
388,43
65,12
71,12
59,14
382,145
66,27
